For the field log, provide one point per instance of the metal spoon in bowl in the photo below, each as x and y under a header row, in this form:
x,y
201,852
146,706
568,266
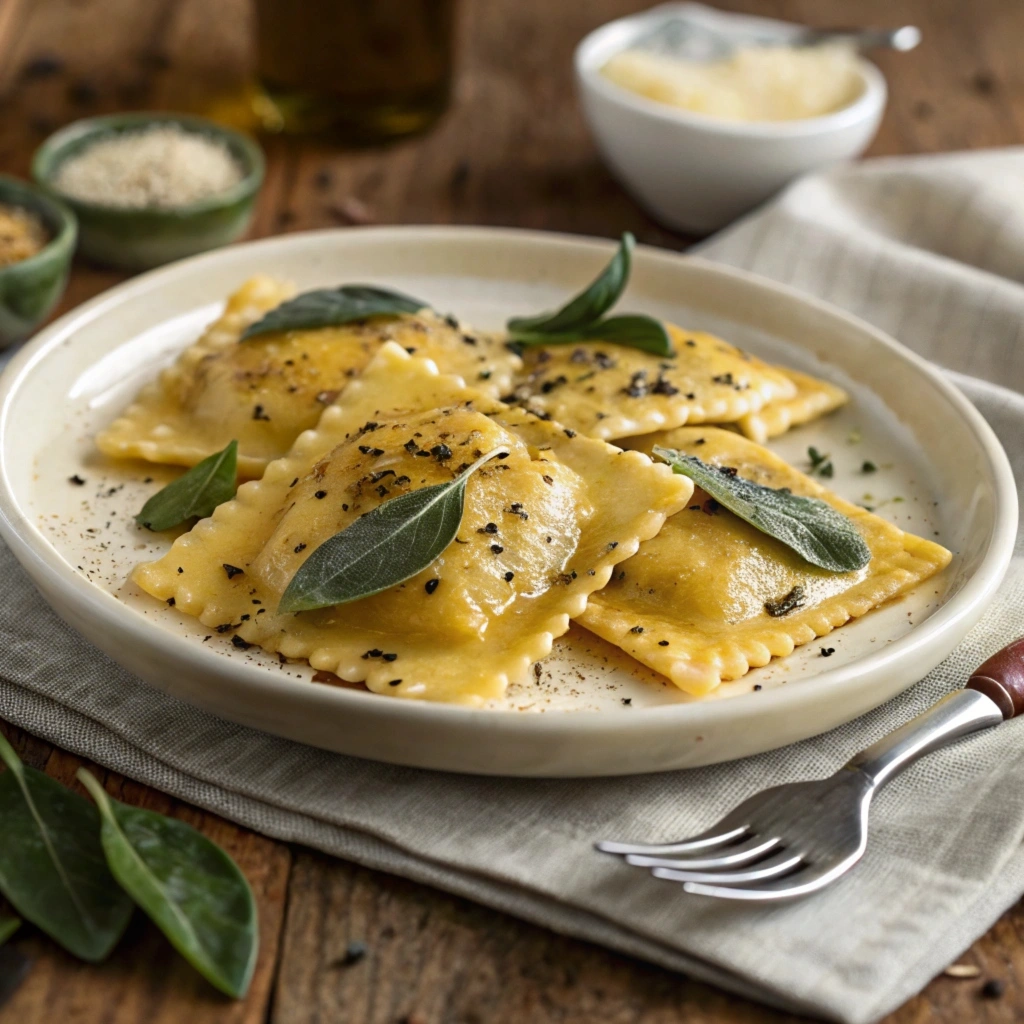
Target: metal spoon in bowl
x,y
686,40
902,39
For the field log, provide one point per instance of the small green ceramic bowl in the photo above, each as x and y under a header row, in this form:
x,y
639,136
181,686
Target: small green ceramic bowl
x,y
137,239
31,288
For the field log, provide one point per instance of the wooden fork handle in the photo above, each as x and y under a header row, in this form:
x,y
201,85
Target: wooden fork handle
x,y
1001,679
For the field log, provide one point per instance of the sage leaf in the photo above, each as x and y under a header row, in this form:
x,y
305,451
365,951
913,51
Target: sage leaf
x,y
196,494
811,527
383,548
8,926
52,868
587,307
633,330
190,888
580,319
332,307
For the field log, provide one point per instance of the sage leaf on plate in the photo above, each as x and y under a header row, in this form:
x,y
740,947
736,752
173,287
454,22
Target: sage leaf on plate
x,y
383,548
8,926
587,307
811,527
634,330
332,307
580,319
190,888
196,494
52,868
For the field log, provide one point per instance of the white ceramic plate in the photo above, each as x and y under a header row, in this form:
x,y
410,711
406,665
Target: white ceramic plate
x,y
941,474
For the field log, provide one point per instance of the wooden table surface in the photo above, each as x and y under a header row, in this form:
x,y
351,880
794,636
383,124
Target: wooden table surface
x,y
512,151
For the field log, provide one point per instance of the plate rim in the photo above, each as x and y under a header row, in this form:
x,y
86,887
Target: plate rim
x,y
30,545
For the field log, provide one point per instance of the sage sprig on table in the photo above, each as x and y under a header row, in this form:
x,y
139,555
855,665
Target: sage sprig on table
x,y
383,548
811,527
8,926
195,494
73,872
580,318
332,307
187,885
52,868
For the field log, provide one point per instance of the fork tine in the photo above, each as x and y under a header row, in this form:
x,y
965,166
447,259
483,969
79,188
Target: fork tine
x,y
714,836
782,863
730,857
801,882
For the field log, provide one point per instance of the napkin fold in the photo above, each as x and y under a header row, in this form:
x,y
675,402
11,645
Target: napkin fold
x,y
929,249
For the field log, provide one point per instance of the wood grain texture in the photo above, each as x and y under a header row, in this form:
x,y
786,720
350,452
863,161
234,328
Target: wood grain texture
x,y
513,150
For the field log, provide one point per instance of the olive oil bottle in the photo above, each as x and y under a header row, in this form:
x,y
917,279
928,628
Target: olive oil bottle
x,y
363,71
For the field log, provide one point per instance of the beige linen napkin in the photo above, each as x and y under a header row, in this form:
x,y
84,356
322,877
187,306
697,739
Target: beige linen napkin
x,y
929,249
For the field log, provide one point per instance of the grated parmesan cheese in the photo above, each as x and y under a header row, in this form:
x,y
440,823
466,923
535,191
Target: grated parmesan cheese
x,y
162,167
771,83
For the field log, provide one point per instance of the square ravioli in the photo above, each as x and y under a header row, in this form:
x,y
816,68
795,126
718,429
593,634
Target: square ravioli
x,y
265,391
693,603
613,391
813,398
541,531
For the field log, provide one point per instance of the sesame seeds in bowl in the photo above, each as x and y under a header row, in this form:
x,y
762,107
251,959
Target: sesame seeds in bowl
x,y
152,188
159,166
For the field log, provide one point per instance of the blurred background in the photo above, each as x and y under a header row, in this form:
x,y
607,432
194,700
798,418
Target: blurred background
x,y
510,148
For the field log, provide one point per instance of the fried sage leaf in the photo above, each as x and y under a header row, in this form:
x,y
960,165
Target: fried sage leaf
x,y
196,494
383,548
332,307
52,868
589,306
8,926
811,527
191,889
633,329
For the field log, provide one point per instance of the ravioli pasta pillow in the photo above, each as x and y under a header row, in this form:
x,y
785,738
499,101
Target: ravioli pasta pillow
x,y
541,531
265,391
711,596
813,398
612,391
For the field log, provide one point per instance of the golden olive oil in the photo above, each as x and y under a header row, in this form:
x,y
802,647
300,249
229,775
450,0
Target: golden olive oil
x,y
361,70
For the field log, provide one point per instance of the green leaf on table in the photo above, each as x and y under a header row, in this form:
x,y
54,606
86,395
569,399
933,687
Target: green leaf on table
x,y
190,888
383,548
196,494
811,527
8,926
332,307
587,307
52,868
633,330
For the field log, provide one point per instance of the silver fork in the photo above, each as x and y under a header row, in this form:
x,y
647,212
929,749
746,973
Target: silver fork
x,y
795,839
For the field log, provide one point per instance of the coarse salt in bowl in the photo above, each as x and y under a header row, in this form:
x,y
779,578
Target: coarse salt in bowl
x,y
158,166
692,171
149,188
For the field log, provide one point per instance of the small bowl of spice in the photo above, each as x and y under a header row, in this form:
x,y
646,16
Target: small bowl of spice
x,y
150,188
37,240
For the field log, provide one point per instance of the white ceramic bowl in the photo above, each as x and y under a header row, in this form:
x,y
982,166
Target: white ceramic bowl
x,y
693,172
